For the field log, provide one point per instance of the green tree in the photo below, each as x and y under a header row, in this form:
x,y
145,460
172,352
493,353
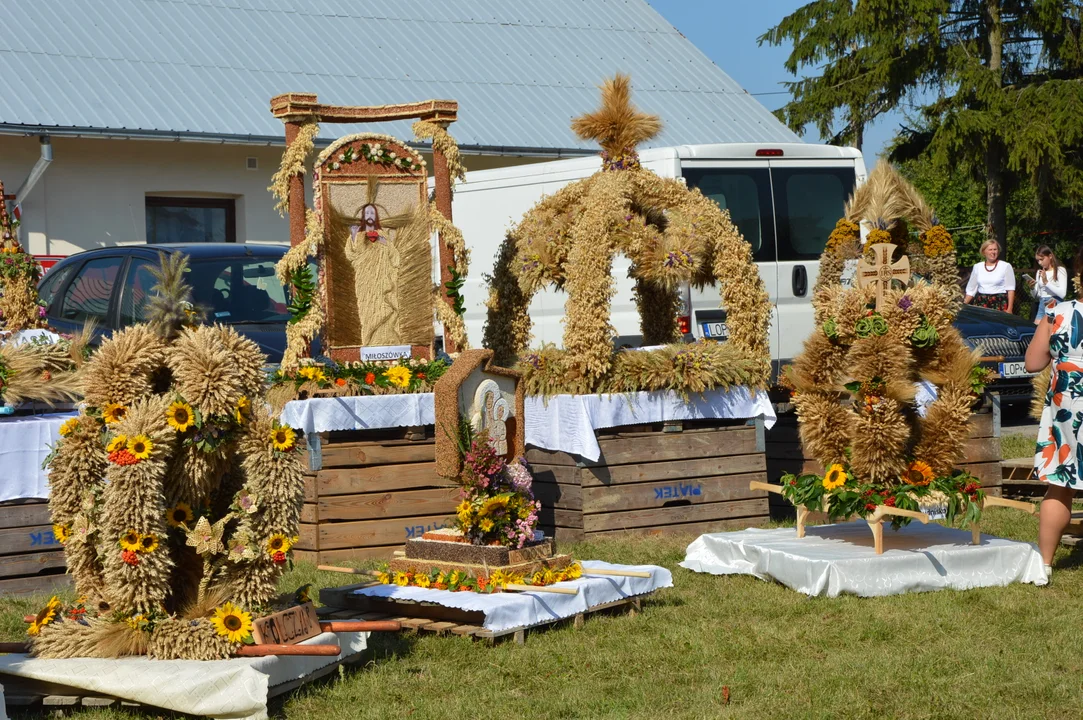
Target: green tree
x,y
998,85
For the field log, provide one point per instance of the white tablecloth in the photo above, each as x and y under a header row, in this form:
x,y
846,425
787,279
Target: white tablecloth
x,y
25,442
235,689
510,610
367,412
568,422
835,559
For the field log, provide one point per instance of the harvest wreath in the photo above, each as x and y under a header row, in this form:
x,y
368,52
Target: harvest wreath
x,y
672,234
855,383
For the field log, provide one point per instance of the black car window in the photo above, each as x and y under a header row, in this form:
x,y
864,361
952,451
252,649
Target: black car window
x,y
136,290
87,296
808,202
239,290
746,193
53,281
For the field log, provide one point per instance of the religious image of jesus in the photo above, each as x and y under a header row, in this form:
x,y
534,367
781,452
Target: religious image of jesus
x,y
370,219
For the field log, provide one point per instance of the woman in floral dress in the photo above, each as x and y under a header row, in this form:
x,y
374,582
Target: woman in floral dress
x,y
1058,458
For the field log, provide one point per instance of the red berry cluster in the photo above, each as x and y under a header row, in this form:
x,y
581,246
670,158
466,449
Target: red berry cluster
x,y
279,557
122,457
130,557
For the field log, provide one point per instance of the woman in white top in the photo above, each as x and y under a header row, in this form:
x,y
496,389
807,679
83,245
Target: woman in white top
x,y
1051,283
992,282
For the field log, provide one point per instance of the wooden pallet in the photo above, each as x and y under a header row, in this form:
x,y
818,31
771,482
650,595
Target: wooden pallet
x,y
680,478
31,559
367,493
421,617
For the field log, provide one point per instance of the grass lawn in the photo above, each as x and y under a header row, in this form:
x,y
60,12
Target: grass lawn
x,y
1009,652
1017,446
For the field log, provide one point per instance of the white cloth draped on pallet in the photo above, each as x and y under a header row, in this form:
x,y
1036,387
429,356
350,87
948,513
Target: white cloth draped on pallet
x,y
513,610
567,422
25,442
366,412
236,689
835,559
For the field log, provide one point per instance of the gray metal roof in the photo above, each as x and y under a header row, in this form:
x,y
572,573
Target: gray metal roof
x,y
520,69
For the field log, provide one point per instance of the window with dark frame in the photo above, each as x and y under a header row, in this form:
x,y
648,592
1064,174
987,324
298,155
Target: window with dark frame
x,y
190,220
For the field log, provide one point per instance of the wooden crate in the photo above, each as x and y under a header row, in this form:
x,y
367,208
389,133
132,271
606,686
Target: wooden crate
x,y
31,559
786,455
652,481
368,492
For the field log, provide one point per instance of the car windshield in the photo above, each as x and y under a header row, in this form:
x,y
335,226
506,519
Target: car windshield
x,y
238,290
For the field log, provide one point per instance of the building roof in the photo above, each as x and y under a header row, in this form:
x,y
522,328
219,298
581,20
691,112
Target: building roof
x,y
207,69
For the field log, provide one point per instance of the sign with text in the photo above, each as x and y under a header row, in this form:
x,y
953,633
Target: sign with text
x,y
384,352
287,627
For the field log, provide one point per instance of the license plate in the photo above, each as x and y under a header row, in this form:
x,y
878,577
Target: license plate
x,y
1014,370
716,330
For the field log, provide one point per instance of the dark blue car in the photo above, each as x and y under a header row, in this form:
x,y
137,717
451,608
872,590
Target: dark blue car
x,y
235,284
1004,339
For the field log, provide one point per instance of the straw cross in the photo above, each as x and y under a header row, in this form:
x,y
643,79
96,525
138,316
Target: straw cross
x,y
882,271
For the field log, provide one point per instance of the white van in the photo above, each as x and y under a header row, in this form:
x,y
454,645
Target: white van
x,y
784,198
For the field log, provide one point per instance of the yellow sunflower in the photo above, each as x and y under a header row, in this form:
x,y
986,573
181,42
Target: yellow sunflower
x,y
242,411
117,443
278,543
180,416
61,533
499,578
232,623
492,504
573,571
465,512
131,540
140,446
919,473
113,413
398,376
422,581
835,477
180,515
148,543
402,579
46,616
486,525
312,373
383,577
70,425
283,438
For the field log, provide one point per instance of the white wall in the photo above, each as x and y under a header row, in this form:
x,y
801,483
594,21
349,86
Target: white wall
x,y
94,192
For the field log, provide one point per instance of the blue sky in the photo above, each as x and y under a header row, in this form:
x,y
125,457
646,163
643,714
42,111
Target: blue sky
x,y
726,31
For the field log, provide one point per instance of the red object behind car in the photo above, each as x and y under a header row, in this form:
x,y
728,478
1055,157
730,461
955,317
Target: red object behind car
x,y
47,261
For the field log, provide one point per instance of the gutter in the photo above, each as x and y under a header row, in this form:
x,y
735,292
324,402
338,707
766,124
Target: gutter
x,y
264,140
37,171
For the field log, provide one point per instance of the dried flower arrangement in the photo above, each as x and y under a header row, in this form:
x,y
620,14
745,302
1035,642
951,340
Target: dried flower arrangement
x,y
176,494
854,382
330,379
673,235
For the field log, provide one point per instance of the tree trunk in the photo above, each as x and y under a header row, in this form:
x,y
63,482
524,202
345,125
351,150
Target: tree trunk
x,y
996,217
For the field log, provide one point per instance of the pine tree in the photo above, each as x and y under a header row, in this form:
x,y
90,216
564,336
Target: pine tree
x,y
998,84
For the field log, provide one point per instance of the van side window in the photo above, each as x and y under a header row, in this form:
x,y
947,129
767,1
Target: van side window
x,y
87,297
746,193
808,203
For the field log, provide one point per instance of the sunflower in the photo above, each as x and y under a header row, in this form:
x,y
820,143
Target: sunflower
x,y
486,525
919,473
61,533
180,416
398,376
131,540
465,512
148,543
180,515
422,581
70,425
283,437
573,571
835,477
243,410
46,616
232,623
402,579
140,446
113,413
117,443
499,578
496,502
277,543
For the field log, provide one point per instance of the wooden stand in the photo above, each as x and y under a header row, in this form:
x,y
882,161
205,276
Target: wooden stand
x,y
368,492
785,453
679,478
875,520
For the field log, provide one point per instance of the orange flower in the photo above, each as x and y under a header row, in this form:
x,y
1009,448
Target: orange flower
x,y
370,378
919,473
340,382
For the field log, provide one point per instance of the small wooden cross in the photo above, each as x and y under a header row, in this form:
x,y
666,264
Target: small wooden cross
x,y
882,272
